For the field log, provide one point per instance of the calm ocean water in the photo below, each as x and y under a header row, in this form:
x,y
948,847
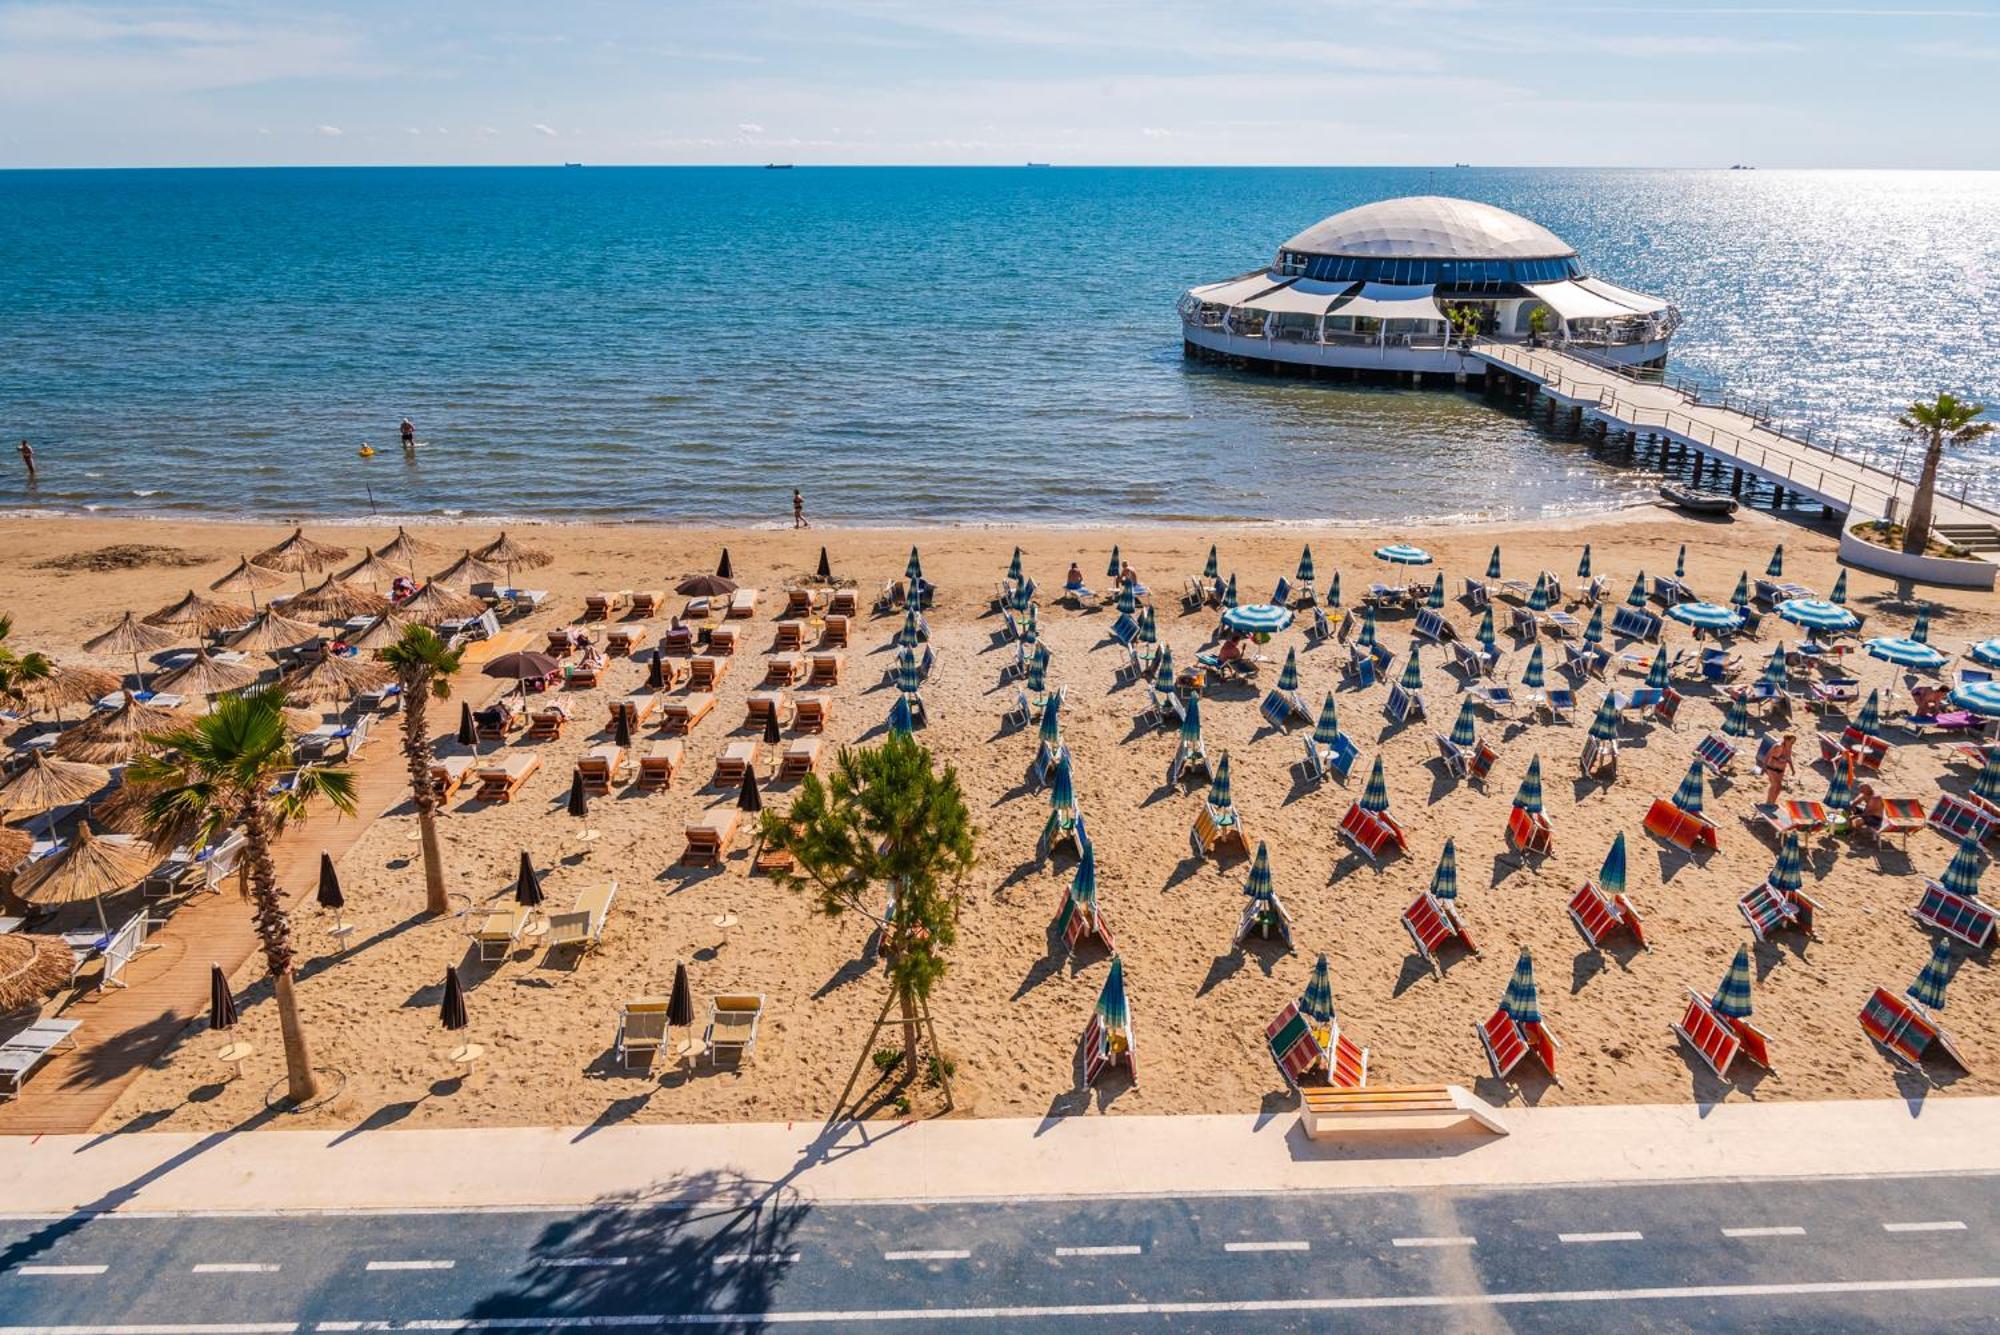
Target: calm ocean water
x,y
911,345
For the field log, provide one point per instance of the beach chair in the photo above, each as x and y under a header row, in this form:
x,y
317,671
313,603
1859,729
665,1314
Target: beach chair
x,y
1294,1046
1336,760
1562,624
1373,833
802,602
1785,816
642,1030
1685,830
1402,705
1768,909
761,705
1716,753
732,1025
1529,832
447,774
833,631
493,723
583,926
1521,623
1597,915
1319,628
29,1048
1718,1039
1495,699
799,758
618,641
1585,661
660,763
826,669
600,767
1636,623
1598,754
600,606
680,713
1480,761
789,637
706,670
737,758
1668,707
1965,917
743,603
1559,705
645,603
709,836
1215,831
1457,763
1867,752
845,602
1882,817
723,640
1507,1041
499,781
1958,818
1017,715
1358,673
637,710
1104,1048
678,639
1186,762
1906,1030
1467,661
1718,666
1431,625
559,641
1432,924
497,931
546,725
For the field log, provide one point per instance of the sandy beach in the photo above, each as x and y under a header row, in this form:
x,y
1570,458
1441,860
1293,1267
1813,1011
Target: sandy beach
x,y
1012,1007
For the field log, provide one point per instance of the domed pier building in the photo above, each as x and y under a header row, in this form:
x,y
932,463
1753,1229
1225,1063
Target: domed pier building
x,y
1405,285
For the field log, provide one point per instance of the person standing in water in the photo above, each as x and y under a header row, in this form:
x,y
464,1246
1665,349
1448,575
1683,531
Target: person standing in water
x,y
799,509
28,458
409,434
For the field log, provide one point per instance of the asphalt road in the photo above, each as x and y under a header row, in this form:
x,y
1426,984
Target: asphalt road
x,y
1813,1255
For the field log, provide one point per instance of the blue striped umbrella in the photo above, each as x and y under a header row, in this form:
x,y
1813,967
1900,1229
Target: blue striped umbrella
x,y
1032,630
1656,673
1486,634
1114,1012
1776,569
1788,873
1521,1003
1921,630
1688,796
1229,593
1817,614
1403,554
1493,563
1128,601
1928,990
1219,795
1741,598
1637,597
1961,875
1083,885
1604,727
1327,730
1117,567
1149,630
1023,596
1681,562
1986,653
1444,881
1317,1002
1050,731
1840,789
914,571
1375,797
1732,999
1038,670
1288,675
1436,599
1062,785
1736,723
1980,697
1839,594
1869,720
1986,787
1413,671
1305,575
1536,674
1904,652
1583,563
1366,639
1163,674
1776,670
1212,571
1705,616
1529,797
1258,887
1191,722
902,719
1014,567
1465,729
912,630
909,677
1611,876
1538,597
1257,618
1333,593
1593,631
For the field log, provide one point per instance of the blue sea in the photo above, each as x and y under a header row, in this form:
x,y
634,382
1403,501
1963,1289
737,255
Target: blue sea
x,y
906,345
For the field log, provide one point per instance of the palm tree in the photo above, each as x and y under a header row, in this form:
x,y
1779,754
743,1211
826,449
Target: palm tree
x,y
18,671
424,665
234,767
1944,421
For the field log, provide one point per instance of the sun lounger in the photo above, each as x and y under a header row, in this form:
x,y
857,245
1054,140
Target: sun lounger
x,y
1494,699
500,781
1529,832
790,636
1905,1030
497,931
1507,1041
705,670
679,639
559,641
1958,818
1483,758
1373,833
723,640
546,725
29,1048
1685,830
637,709
761,705
600,606
495,721
743,603
1965,917
1635,623
1597,915
732,1025
799,758
737,757
580,676
1716,753
784,669
600,767
618,641
680,713
1432,924
834,631
826,669
660,763
1558,704
1324,1113
1521,623
811,713
1431,625
1337,760
645,602
583,926
1293,1045
1214,831
1881,816
1785,816
1402,705
642,1030
1718,1039
1563,625
1598,754
447,773
1868,752
1768,909
803,601
845,602
709,836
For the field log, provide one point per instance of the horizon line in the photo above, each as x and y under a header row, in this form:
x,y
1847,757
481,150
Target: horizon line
x,y
974,166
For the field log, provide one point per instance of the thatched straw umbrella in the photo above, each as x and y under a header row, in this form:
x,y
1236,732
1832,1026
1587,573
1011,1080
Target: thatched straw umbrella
x,y
434,603
336,600
14,845
513,555
71,684
132,636
374,568
123,809
90,868
334,678
299,554
195,615
403,551
31,969
205,677
248,577
470,569
382,632
48,783
269,630
117,736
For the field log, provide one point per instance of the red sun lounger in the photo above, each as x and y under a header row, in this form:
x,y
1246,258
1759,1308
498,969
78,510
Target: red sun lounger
x,y
1905,1030
1957,818
1597,915
1683,829
1431,923
1768,909
1507,1042
1372,832
1529,832
1718,1039
1965,917
1293,1045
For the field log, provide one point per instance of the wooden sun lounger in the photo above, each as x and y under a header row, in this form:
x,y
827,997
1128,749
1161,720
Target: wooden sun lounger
x,y
660,763
583,926
722,640
619,640
600,767
846,602
800,756
500,782
709,836
600,606
811,713
637,709
678,640
546,725
743,603
790,636
768,704
803,601
1324,1113
681,712
737,757
826,669
705,670
646,602
834,631
784,669
447,774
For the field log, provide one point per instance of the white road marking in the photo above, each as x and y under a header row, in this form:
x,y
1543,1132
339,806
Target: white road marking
x,y
1435,1242
236,1268
934,1255
1775,1231
60,1269
1267,1246
1928,1226
411,1265
1633,1236
756,1258
582,1262
1124,1250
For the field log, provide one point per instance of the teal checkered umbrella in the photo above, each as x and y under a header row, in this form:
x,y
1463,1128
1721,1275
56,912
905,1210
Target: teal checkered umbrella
x,y
1258,887
1593,631
1928,990
1327,731
1413,672
1317,1003
1333,593
1305,571
1705,616
1986,653
1656,673
1444,881
1191,722
914,571
1149,631
1403,554
1062,785
1839,595
1688,796
1163,674
1288,675
1637,597
1611,876
1023,597
1114,1012
1014,567
1128,601
912,630
1032,631
1211,571
1375,797
1464,729
902,718
1869,720
1493,563
1366,639
1583,563
1921,631
1521,1003
1486,634
1604,726
1538,597
1905,652
1961,875
1681,562
1038,669
1229,592
1529,797
1986,786
1732,999
1083,885
1788,873
1117,567
1436,599
1050,732
1741,597
1736,723
1840,790
1776,569
1817,614
1219,795
1536,673
1776,670
909,677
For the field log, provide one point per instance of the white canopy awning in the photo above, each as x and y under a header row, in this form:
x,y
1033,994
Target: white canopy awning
x,y
1573,301
1234,291
1388,301
1304,297
1624,296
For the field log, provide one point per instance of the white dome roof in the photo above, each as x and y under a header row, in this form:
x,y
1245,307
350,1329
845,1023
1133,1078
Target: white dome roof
x,y
1430,227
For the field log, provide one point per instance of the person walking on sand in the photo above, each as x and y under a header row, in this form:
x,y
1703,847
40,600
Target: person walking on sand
x,y
28,457
1777,763
799,509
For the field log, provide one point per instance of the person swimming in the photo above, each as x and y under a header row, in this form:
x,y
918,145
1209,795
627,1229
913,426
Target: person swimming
x,y
409,430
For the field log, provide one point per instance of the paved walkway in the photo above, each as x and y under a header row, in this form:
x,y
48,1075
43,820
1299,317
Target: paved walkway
x,y
126,1028
1003,1158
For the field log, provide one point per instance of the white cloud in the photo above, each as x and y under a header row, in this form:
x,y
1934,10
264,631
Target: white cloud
x,y
540,128
94,53
1153,132
411,129
750,127
330,131
486,132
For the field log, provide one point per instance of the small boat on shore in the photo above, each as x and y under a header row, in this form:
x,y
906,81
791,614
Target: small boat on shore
x,y
1697,502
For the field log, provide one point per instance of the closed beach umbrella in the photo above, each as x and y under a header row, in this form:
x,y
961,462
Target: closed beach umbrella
x,y
1593,630
1520,1001
1436,599
1741,596
1986,652
1375,797
1304,574
1529,797
1013,566
221,1005
1928,990
1316,1003
1732,999
902,719
1327,730
1736,723
1776,669
1493,563
1149,631
1128,601
1688,796
1465,728
1366,637
1839,594
1817,614
1083,885
1259,891
1050,732
329,895
913,571
1114,1011
1869,720
1538,597
723,568
1032,631
1219,795
527,884
1444,880
1229,595
1776,568
579,800
772,735
1163,671
1486,634
749,799
452,1013
656,672
1636,597
1038,668
468,734
1403,554
912,629
1212,570
1604,725
1413,672
1190,722
1288,675
1921,630
680,1000
1961,874
1116,567
825,570
1986,785
1583,563
1840,789
1705,616
1257,618
1788,873
1656,672
1681,562
1536,673
1611,876
1333,593
1905,652
621,728
1062,785
909,676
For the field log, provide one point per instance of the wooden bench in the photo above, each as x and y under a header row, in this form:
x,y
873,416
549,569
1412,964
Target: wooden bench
x,y
1324,1112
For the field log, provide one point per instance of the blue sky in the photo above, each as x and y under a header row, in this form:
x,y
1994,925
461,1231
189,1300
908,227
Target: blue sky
x,y
939,81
